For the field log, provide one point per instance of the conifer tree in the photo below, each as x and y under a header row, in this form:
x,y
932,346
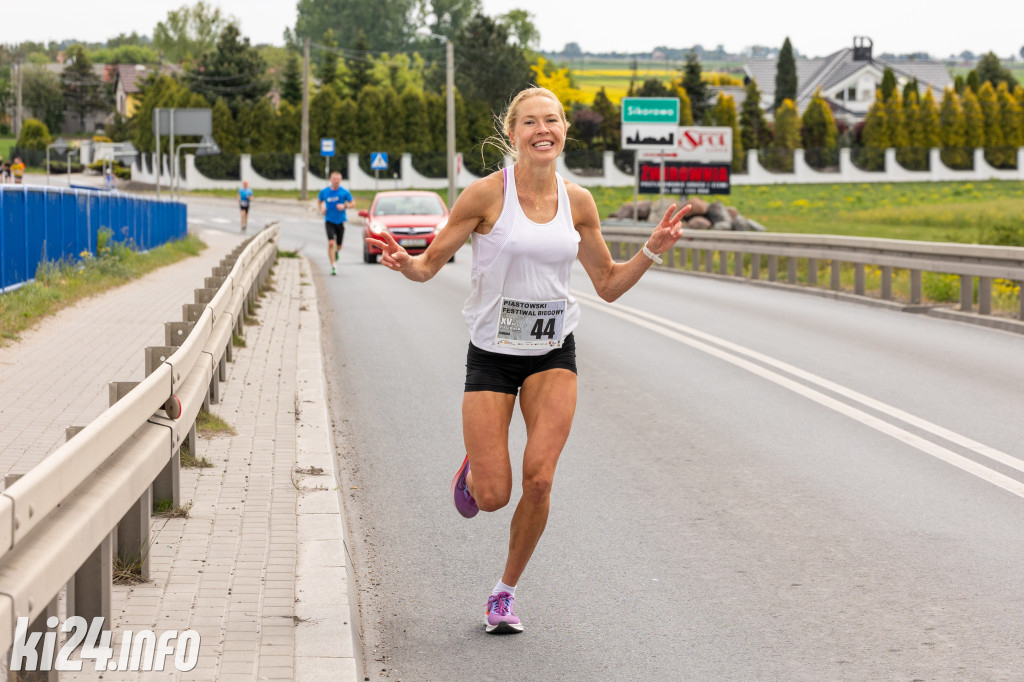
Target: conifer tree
x,y
973,83
416,128
974,123
724,114
291,85
369,132
225,132
1011,121
875,137
685,108
927,124
911,88
288,127
321,114
786,137
785,75
913,156
953,132
995,149
888,84
753,126
609,130
345,126
359,65
819,133
327,72
696,89
897,124
392,121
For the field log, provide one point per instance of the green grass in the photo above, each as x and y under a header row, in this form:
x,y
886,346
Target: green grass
x,y
965,212
209,424
59,285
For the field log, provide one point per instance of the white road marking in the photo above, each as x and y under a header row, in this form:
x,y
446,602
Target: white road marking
x,y
221,221
730,352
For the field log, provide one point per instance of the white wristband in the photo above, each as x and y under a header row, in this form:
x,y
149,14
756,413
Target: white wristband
x,y
653,256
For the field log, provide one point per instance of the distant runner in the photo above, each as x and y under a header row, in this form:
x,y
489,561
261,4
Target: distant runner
x,y
244,200
332,202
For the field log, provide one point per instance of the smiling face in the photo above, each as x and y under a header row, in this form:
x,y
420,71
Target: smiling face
x,y
536,126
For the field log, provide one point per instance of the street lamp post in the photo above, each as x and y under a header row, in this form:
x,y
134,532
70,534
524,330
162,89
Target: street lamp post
x,y
205,147
449,68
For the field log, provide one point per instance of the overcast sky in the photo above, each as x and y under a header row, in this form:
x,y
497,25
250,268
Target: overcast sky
x,y
940,27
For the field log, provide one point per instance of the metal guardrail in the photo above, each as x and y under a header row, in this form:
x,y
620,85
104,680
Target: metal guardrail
x,y
62,521
696,252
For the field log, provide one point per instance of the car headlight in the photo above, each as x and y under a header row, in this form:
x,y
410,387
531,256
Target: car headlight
x,y
440,225
376,228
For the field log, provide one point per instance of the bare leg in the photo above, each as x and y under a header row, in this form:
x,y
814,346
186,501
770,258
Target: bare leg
x,y
331,249
548,402
485,419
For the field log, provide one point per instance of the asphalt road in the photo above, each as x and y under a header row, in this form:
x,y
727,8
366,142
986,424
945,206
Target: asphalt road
x,y
760,485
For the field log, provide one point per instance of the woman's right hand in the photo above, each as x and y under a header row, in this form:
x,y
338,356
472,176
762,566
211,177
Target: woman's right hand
x,y
392,254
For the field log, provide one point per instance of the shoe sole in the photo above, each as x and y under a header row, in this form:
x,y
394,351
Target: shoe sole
x,y
503,628
455,480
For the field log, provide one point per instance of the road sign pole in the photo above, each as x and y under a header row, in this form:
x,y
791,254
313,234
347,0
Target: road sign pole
x,y
636,186
661,179
376,180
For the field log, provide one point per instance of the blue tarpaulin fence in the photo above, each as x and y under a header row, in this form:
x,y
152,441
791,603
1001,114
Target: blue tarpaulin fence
x,y
39,224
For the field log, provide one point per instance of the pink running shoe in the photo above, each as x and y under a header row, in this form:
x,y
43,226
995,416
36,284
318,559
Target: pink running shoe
x,y
500,619
464,502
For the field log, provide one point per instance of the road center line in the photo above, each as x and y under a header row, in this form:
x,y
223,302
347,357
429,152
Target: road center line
x,y
676,332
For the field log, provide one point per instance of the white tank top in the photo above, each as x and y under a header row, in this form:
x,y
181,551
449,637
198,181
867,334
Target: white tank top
x,y
520,303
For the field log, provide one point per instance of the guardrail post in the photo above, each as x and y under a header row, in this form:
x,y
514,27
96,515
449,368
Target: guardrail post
x,y
1020,300
89,590
858,279
709,260
133,533
723,262
791,263
812,271
886,282
755,266
835,274
191,312
773,268
156,356
966,293
737,263
175,333
916,288
214,282
204,296
985,295
670,258
44,667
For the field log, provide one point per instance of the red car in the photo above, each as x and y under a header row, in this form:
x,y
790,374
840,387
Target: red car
x,y
413,219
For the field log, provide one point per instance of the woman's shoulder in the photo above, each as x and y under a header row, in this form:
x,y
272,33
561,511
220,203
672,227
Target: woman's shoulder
x,y
486,188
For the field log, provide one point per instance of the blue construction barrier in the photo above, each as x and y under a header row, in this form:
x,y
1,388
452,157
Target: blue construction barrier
x,y
39,224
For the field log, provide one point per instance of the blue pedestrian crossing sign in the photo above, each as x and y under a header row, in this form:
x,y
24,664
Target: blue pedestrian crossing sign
x,y
379,161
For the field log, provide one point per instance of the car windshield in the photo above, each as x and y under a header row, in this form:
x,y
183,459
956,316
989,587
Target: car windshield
x,y
408,206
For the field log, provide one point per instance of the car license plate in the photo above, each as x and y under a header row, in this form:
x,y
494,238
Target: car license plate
x,y
413,243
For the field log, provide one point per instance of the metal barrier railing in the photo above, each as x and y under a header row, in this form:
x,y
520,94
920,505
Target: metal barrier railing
x,y
977,266
63,521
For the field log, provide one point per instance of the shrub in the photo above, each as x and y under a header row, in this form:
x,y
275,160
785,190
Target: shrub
x,y
34,135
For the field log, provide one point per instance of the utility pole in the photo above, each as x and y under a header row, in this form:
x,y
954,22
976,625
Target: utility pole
x,y
449,53
18,115
305,118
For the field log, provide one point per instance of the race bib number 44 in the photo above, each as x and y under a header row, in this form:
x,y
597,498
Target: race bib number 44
x,y
530,324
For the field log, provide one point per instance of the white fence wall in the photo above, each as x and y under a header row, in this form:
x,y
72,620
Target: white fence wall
x,y
610,177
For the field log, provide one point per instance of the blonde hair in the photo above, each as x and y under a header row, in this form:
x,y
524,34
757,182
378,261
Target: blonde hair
x,y
505,123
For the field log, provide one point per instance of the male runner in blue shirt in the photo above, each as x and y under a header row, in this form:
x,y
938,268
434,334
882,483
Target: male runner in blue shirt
x,y
244,198
332,202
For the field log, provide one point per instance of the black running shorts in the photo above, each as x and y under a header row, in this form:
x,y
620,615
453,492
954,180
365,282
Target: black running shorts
x,y
335,232
501,373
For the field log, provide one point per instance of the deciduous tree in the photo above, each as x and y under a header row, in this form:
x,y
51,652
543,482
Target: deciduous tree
x,y
82,88
724,114
188,32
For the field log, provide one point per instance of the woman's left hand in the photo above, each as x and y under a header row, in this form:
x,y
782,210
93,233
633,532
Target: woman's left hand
x,y
668,230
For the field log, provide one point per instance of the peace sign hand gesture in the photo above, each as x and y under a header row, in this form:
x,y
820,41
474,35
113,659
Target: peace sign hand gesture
x,y
392,254
668,230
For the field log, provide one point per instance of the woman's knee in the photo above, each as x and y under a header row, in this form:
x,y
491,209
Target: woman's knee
x,y
491,497
537,487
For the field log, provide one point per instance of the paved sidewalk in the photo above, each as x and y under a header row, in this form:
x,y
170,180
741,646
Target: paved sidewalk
x,y
259,568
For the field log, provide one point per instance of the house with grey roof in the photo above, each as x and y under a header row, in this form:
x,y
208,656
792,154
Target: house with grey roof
x,y
848,79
